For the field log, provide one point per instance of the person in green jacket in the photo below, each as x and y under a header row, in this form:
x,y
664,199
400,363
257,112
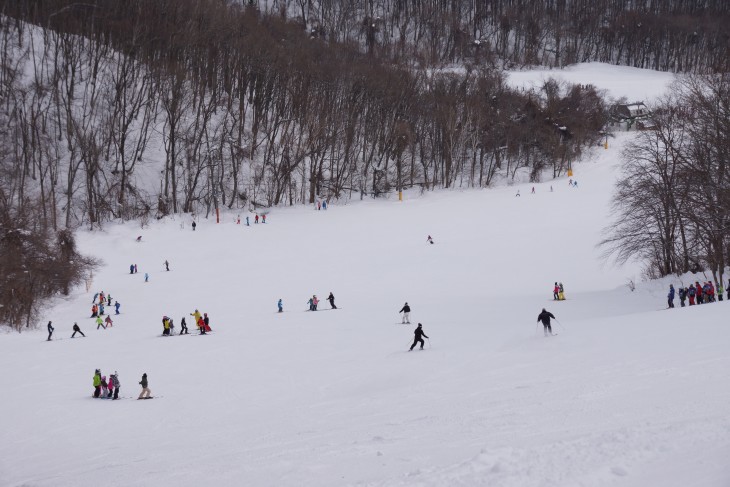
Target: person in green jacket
x,y
99,323
145,390
720,290
97,383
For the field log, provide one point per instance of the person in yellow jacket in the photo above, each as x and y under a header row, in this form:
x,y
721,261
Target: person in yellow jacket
x,y
197,316
97,383
166,326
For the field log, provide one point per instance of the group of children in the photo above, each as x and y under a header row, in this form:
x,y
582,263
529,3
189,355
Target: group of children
x,y
109,389
201,321
698,294
97,310
314,302
106,389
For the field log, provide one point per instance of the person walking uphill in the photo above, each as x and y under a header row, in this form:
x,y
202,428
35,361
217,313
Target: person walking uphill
x,y
50,331
145,394
545,316
406,310
418,337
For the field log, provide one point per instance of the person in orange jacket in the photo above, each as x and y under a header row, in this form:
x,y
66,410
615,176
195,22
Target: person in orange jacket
x,y
201,326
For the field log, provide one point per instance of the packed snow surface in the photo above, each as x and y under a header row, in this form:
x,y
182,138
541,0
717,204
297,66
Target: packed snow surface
x,y
634,84
627,393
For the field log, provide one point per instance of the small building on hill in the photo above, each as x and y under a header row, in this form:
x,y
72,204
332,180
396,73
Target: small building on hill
x,y
630,116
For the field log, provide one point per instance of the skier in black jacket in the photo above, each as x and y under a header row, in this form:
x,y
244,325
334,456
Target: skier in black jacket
x,y
77,330
331,299
545,316
418,337
184,327
406,310
50,331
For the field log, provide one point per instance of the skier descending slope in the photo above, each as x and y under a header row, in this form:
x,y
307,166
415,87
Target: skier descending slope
x,y
545,316
406,310
331,299
77,330
418,337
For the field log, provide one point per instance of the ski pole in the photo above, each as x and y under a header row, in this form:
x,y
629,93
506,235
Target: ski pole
x,y
429,342
561,325
536,327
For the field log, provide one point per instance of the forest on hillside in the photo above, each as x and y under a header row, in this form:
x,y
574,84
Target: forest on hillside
x,y
113,111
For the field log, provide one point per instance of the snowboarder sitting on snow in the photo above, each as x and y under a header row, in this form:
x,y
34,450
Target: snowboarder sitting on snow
x,y
545,316
77,330
97,383
418,337
50,331
406,310
145,390
670,296
331,299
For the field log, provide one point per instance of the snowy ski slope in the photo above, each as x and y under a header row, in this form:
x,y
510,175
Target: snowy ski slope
x,y
627,394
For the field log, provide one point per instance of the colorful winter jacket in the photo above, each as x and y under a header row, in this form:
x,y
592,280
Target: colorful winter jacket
x,y
97,380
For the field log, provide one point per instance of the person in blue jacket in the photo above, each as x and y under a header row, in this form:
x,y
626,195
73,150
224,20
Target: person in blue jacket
x,y
116,306
281,306
670,296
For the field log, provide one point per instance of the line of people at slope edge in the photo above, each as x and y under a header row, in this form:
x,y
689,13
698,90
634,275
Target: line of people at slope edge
x,y
696,294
